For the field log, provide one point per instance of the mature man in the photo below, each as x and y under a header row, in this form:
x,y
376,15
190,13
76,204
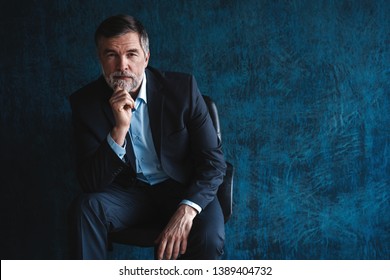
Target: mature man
x,y
147,151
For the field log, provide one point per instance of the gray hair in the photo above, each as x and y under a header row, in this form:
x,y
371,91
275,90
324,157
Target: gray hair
x,y
119,25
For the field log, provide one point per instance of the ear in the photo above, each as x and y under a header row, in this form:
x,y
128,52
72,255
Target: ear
x,y
147,56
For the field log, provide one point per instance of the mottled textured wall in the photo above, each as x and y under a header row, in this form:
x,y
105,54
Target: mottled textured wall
x,y
303,90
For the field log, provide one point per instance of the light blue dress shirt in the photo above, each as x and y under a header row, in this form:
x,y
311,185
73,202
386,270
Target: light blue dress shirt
x,y
148,166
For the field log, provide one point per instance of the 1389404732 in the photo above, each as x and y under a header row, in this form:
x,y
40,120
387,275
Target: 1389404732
x,y
242,270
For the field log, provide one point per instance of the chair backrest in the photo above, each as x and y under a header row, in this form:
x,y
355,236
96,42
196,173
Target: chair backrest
x,y
225,191
213,111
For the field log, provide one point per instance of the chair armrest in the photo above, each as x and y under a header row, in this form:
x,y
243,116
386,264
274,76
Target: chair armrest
x,y
225,192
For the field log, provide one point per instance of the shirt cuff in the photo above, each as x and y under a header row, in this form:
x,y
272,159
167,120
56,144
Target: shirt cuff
x,y
192,204
120,151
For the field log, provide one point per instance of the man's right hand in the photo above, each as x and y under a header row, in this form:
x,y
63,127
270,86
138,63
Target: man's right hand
x,y
121,104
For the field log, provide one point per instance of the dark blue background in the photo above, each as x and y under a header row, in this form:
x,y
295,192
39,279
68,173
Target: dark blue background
x,y
303,92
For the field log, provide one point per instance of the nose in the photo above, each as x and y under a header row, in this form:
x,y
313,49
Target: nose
x,y
123,64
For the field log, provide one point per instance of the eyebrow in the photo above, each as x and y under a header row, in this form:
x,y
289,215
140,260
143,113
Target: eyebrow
x,y
128,51
133,51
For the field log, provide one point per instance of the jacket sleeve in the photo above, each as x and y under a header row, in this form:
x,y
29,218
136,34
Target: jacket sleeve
x,y
206,151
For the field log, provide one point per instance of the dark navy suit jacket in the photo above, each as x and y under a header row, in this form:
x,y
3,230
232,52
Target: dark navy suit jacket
x,y
183,134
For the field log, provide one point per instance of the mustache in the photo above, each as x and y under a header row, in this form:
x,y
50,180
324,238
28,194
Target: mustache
x,y
115,80
126,74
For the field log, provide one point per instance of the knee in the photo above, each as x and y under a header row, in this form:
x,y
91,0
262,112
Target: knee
x,y
214,243
207,242
85,204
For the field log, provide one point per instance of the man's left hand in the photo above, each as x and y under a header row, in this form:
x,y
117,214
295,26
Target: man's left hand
x,y
173,239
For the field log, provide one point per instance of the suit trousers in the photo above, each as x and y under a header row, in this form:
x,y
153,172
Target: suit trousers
x,y
94,215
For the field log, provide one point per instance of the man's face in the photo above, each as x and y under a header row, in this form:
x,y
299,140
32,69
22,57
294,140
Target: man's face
x,y
123,61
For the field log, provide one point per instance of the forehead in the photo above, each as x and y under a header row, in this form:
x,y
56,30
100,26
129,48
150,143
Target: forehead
x,y
126,41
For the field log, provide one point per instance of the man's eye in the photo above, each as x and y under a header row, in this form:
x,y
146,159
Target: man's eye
x,y
131,54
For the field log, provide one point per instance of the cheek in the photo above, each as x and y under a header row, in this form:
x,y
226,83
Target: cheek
x,y
140,66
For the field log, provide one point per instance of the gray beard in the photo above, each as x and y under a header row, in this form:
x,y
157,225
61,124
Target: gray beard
x,y
126,85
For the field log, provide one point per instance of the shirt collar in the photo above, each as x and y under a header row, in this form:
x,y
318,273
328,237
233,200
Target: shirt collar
x,y
142,93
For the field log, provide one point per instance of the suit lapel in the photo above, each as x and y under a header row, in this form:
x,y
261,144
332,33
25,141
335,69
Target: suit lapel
x,y
130,152
155,108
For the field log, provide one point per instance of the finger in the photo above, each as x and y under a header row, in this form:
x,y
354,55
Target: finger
x,y
176,250
183,246
161,250
120,102
119,90
168,249
120,107
120,94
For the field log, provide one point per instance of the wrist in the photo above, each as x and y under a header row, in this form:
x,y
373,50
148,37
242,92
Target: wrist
x,y
118,134
188,210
